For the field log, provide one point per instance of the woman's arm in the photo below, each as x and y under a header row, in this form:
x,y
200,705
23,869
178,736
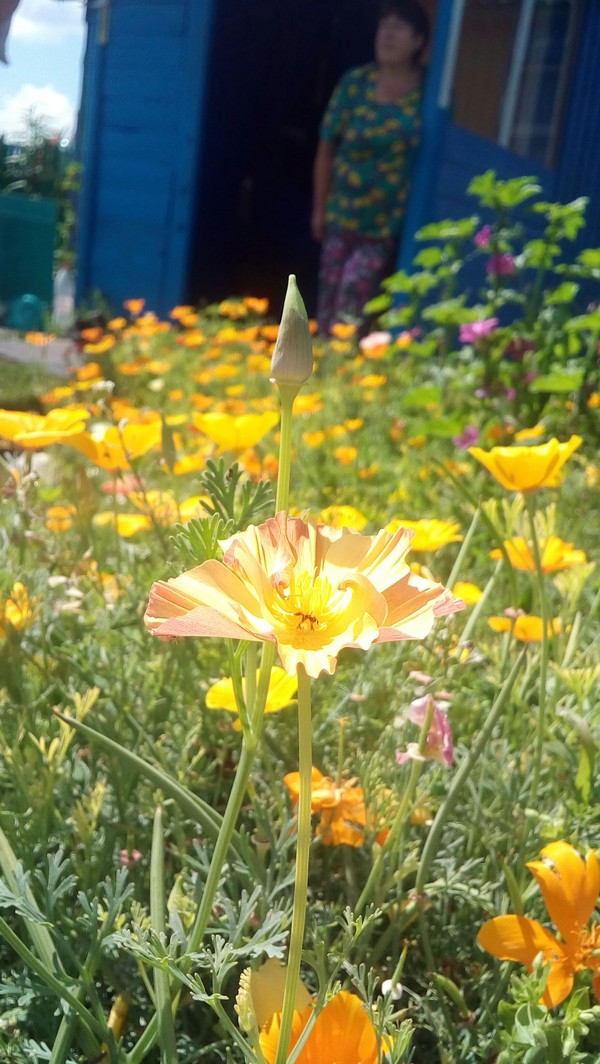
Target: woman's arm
x,y
322,174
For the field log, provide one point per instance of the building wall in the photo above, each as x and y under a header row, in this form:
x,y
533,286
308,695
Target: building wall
x,y
143,94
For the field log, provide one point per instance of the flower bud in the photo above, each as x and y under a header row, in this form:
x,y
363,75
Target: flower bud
x,y
292,360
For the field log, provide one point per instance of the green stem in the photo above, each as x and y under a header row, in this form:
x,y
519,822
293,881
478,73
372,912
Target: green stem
x,y
545,646
464,549
51,980
162,983
302,857
398,825
287,393
223,842
468,764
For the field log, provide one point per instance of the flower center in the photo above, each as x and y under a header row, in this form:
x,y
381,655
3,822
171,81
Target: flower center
x,y
588,953
308,603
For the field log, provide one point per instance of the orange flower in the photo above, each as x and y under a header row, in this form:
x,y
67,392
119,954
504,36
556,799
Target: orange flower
x,y
257,306
527,468
346,455
89,372
342,1034
60,518
342,808
134,306
556,555
310,589
570,886
525,627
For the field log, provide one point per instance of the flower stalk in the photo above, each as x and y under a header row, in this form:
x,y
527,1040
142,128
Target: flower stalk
x,y
302,860
544,651
405,804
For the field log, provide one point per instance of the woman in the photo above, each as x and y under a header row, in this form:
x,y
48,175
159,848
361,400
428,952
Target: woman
x,y
368,139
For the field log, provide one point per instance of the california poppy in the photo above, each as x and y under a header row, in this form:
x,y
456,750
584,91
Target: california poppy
x,y
570,885
310,589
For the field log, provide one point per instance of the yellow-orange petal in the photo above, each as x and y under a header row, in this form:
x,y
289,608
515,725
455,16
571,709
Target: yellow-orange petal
x,y
517,938
570,885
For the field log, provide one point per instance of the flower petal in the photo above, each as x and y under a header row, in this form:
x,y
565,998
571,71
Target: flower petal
x,y
570,886
517,938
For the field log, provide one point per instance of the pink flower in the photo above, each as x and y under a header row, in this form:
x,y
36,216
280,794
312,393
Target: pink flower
x,y
473,331
483,237
511,393
439,745
501,265
129,858
375,339
468,437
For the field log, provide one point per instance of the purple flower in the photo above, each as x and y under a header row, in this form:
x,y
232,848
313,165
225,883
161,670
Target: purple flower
x,y
473,331
483,237
439,745
468,437
501,265
511,393
482,393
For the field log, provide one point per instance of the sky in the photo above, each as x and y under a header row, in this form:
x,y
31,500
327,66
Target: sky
x,y
45,53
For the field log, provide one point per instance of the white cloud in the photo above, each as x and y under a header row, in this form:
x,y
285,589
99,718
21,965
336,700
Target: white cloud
x,y
47,21
53,108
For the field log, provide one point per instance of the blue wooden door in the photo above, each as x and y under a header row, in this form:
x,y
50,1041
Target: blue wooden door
x,y
497,97
140,140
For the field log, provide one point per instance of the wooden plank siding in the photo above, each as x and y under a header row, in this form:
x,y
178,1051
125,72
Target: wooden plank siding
x,y
143,102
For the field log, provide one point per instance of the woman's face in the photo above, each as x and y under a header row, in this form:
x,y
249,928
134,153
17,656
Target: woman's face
x,y
396,41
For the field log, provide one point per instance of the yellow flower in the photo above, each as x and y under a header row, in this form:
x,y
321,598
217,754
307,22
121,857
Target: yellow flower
x,y
310,589
16,612
529,434
429,533
373,380
555,555
101,347
115,447
342,330
282,692
157,508
594,401
570,886
525,627
308,404
343,517
313,439
469,593
235,433
35,431
527,468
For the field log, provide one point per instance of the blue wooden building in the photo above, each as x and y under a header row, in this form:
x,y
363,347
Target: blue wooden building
x,y
199,121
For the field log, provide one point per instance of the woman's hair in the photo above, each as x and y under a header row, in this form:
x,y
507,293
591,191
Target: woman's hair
x,y
409,11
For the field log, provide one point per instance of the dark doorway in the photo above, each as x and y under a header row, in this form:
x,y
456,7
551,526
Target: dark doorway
x,y
273,66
